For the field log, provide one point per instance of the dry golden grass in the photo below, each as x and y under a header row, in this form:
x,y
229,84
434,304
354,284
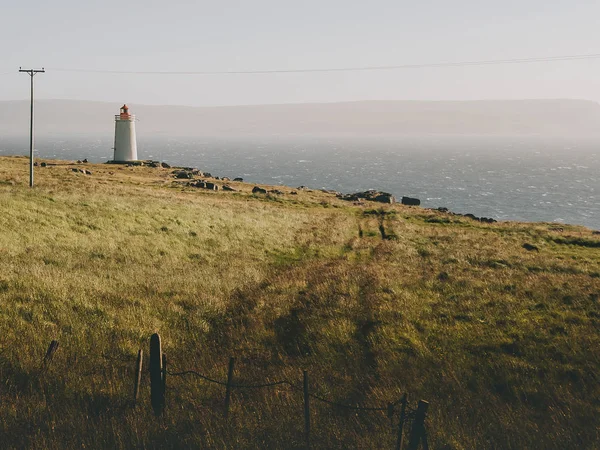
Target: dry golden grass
x,y
503,342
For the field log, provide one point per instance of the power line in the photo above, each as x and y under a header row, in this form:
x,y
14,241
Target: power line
x,y
344,69
31,73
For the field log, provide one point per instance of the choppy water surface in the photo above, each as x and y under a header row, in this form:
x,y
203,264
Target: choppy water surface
x,y
507,178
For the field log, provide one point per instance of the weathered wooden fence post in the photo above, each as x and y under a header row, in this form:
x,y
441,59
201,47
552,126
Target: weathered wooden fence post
x,y
228,387
400,439
164,378
50,352
138,376
417,432
306,410
156,375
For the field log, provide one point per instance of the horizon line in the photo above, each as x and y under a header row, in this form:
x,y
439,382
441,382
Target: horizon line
x,y
496,100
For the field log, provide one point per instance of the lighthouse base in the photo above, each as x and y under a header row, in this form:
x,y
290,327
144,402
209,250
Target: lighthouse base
x,y
140,162
125,140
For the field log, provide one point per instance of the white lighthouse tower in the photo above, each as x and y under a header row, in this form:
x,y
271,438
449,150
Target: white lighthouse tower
x,y
125,142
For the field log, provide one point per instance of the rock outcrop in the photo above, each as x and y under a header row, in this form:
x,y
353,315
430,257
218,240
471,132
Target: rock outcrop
x,y
410,201
183,175
468,215
370,195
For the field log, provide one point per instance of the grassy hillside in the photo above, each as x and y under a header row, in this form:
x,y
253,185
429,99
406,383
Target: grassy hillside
x,y
502,341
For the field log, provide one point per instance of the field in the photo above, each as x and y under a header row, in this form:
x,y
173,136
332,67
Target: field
x,y
372,300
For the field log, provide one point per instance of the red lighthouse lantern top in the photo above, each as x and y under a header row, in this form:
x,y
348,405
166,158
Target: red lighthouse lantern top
x,y
125,112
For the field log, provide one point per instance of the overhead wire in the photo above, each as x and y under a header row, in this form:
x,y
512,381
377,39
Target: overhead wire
x,y
340,69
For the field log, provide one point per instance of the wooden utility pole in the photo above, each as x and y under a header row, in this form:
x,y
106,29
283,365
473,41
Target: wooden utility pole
x,y
31,73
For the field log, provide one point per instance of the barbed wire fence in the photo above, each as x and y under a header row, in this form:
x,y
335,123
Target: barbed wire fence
x,y
409,418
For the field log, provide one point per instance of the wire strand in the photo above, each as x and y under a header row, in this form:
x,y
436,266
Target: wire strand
x,y
341,69
199,375
277,383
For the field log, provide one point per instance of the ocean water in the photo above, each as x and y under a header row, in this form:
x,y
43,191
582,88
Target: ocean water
x,y
507,178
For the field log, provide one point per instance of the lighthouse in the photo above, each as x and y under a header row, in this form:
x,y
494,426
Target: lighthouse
x,y
125,142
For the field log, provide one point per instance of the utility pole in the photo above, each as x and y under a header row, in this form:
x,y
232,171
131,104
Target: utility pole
x,y
31,73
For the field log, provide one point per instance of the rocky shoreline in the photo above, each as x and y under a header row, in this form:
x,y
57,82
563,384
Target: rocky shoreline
x,y
371,195
198,179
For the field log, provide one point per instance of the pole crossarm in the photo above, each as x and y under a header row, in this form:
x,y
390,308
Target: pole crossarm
x,y
31,73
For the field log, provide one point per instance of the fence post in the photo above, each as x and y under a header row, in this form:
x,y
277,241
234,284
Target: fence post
x,y
424,439
50,352
390,414
400,439
138,376
156,375
306,411
228,387
164,379
417,432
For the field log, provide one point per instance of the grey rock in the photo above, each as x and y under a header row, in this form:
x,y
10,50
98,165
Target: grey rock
x,y
371,195
409,201
384,198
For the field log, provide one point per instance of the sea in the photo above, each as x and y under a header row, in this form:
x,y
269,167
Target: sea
x,y
515,178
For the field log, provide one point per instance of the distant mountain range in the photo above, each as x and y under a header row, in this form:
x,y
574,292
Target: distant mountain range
x,y
512,117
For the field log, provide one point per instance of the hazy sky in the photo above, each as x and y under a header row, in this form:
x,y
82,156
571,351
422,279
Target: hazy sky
x,y
277,34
